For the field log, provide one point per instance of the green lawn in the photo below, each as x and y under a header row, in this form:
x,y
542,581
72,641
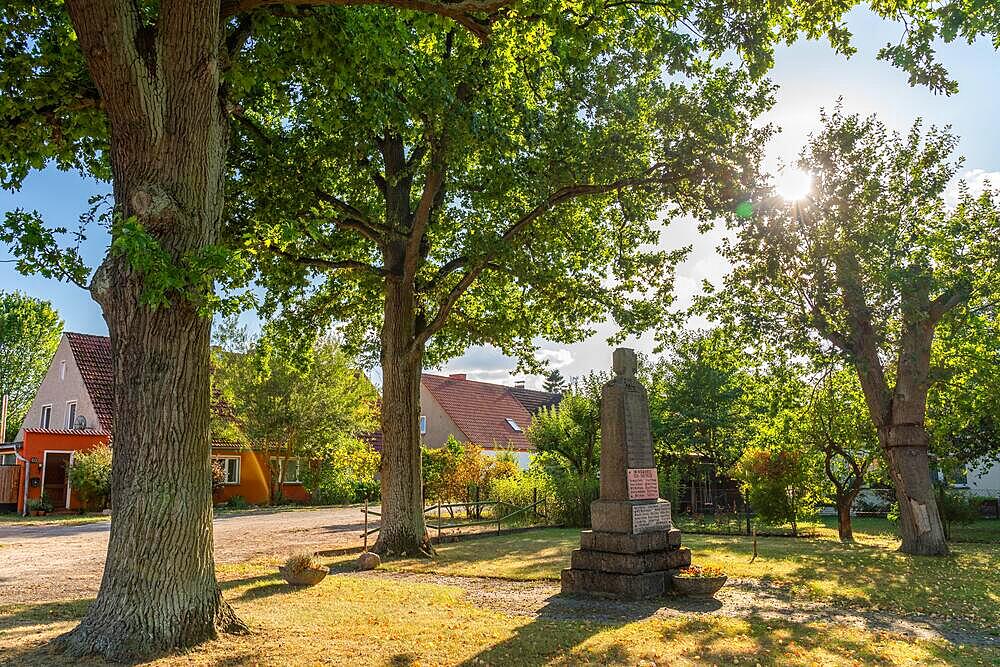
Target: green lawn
x,y
368,620
869,574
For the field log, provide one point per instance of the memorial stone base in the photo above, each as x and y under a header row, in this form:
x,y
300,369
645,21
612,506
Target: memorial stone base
x,y
625,558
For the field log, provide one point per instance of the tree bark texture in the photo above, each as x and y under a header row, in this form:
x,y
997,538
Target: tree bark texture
x,y
899,414
845,531
402,530
160,89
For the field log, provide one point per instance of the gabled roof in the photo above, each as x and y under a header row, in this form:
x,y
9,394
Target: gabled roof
x,y
93,358
481,410
534,400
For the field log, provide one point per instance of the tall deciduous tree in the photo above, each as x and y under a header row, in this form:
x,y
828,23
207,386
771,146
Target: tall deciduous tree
x,y
290,402
448,192
867,267
701,398
29,334
140,93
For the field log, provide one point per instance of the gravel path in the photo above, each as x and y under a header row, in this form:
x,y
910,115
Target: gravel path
x,y
41,563
739,599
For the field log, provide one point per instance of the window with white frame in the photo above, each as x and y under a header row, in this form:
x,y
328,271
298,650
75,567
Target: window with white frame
x,y
231,466
423,424
514,425
293,467
62,369
70,413
46,416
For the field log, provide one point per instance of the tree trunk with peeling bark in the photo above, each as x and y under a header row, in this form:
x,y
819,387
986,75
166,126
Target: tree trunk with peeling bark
x,y
160,90
899,413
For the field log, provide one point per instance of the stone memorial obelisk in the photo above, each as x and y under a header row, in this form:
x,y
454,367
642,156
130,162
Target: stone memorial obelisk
x,y
632,548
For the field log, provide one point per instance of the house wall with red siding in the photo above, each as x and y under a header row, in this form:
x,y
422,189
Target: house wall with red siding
x,y
37,442
254,475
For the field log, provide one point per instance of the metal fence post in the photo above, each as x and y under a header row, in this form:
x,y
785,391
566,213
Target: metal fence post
x,y
366,524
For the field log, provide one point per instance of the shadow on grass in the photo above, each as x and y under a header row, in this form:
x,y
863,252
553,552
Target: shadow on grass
x,y
22,627
557,630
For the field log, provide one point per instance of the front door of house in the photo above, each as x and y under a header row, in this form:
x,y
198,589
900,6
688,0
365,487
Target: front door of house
x,y
55,485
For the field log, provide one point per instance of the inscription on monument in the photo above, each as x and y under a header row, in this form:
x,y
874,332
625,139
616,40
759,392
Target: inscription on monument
x,y
655,516
643,484
638,439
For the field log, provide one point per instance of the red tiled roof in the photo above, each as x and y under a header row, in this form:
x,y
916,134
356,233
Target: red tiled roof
x,y
534,400
374,439
481,410
93,358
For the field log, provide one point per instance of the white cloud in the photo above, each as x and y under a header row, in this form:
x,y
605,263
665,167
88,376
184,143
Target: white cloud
x,y
557,358
977,180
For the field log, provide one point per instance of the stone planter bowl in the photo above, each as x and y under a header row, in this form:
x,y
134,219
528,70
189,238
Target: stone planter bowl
x,y
698,587
308,577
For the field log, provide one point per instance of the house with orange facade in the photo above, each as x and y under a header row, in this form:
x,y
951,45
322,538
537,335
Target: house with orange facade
x,y
73,412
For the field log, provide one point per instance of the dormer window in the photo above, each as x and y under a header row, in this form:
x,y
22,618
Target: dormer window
x,y
513,424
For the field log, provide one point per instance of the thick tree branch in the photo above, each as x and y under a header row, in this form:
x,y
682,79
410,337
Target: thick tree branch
x,y
422,216
109,36
947,301
556,198
328,264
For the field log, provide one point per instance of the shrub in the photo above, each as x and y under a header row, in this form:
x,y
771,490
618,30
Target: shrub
x,y
781,484
572,496
522,490
90,476
218,476
956,507
348,474
237,503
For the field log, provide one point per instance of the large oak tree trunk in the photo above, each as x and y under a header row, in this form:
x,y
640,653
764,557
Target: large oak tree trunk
x,y
160,90
899,415
402,528
159,590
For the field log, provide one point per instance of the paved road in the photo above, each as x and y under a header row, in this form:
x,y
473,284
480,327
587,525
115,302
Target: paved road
x,y
53,562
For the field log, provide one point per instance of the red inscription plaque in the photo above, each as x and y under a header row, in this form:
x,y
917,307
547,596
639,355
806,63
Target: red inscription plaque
x,y
643,484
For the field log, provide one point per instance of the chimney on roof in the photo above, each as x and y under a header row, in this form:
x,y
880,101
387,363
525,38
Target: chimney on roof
x,y
457,376
519,384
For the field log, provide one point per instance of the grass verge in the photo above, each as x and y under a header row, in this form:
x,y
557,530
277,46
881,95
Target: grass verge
x,y
869,574
364,620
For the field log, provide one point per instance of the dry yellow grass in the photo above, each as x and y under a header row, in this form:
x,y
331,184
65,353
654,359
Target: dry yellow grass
x,y
870,574
364,620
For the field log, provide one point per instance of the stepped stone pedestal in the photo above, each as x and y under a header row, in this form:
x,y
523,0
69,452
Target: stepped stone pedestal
x,y
633,548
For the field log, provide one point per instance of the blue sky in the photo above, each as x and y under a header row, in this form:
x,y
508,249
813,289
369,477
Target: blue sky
x,y
809,75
